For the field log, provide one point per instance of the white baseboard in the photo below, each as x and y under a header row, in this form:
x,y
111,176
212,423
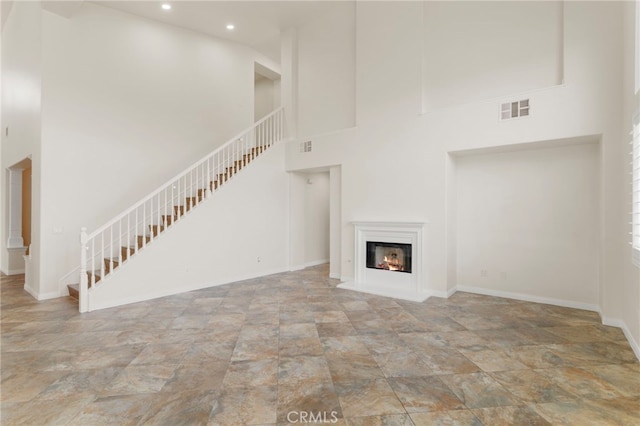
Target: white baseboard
x,y
334,276
308,265
13,271
396,294
316,263
527,298
95,305
615,322
31,291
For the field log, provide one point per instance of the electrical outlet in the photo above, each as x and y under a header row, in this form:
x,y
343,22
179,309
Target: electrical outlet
x,y
259,260
484,273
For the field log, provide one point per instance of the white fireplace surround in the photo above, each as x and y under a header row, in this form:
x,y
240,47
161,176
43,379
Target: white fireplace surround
x,y
400,285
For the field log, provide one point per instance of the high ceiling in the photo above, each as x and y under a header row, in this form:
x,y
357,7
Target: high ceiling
x,y
257,23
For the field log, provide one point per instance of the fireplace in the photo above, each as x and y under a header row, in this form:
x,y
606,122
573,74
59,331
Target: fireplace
x,y
389,256
388,260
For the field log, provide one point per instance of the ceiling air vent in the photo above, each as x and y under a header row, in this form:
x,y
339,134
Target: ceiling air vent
x,y
514,109
305,146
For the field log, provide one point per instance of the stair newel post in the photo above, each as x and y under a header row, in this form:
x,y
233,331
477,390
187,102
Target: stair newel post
x,y
84,279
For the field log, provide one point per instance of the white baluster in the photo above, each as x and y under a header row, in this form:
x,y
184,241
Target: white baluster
x,y
208,180
84,282
144,225
127,239
93,259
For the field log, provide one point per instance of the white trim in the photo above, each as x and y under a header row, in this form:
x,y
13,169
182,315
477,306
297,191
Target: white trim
x,y
43,296
13,271
296,268
334,276
409,286
635,190
529,298
411,296
309,264
316,263
31,291
94,302
615,322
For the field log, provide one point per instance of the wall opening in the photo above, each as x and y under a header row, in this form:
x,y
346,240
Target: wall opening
x,y
266,91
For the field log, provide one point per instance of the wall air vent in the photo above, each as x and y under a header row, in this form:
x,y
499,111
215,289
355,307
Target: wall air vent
x,y
514,109
305,146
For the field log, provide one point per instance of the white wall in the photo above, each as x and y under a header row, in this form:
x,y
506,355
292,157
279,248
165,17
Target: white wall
x,y
528,222
218,242
626,312
326,64
127,104
264,97
316,213
480,50
21,113
310,215
396,166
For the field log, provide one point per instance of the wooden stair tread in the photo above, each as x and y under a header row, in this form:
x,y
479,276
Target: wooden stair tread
x,y
74,291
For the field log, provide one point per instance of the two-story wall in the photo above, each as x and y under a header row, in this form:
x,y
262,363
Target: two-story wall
x,y
533,207
109,106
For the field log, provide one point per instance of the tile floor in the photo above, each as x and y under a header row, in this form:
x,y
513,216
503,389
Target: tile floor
x,y
292,348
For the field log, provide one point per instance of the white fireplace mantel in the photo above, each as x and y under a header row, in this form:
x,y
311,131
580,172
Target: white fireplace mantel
x,y
400,285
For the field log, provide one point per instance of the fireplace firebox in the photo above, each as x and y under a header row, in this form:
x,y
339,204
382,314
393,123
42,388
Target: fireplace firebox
x,y
389,256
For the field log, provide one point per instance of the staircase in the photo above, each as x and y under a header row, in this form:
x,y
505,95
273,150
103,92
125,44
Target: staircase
x,y
109,248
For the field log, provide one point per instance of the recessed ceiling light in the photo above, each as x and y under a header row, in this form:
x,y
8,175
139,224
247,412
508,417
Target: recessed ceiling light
x,y
230,26
166,6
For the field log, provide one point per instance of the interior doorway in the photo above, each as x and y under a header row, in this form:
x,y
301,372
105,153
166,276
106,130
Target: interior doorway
x,y
315,219
266,91
18,213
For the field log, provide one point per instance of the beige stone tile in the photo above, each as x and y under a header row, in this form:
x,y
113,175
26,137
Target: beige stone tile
x,y
591,412
24,387
334,329
622,377
254,350
402,364
136,379
447,361
155,353
310,346
531,386
419,394
303,370
390,420
80,383
368,398
249,406
515,415
581,382
43,412
312,399
120,409
344,345
561,362
330,316
479,390
288,331
353,367
445,418
493,360
252,373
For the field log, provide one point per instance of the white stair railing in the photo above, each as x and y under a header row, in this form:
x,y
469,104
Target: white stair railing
x,y
114,243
